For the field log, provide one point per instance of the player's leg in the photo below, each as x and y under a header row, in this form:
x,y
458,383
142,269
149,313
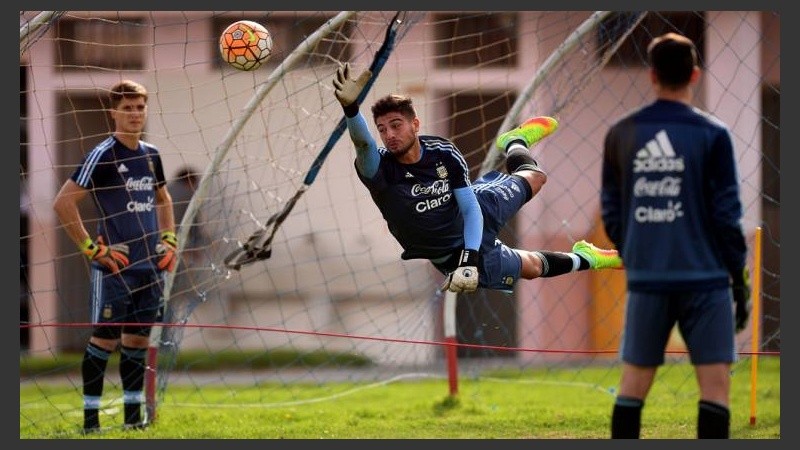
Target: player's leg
x,y
146,300
93,370
516,143
626,415
713,413
648,323
132,364
501,266
706,325
584,256
106,307
500,197
545,263
535,178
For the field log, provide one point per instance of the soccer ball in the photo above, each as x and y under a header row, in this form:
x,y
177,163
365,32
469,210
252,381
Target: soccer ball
x,y
245,45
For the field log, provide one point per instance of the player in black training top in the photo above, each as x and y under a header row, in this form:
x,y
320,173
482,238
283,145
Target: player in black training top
x,y
134,244
421,186
670,204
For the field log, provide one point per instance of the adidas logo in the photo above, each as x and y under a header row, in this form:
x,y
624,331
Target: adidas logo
x,y
408,175
122,168
657,155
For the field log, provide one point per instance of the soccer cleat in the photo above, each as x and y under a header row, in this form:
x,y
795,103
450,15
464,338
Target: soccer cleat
x,y
598,258
531,131
90,430
135,426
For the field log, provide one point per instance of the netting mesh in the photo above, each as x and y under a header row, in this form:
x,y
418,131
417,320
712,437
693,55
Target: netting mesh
x,y
333,302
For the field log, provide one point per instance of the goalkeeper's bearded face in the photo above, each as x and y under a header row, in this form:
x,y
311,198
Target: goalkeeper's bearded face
x,y
398,133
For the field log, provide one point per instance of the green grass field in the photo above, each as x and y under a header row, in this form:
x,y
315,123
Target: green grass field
x,y
522,406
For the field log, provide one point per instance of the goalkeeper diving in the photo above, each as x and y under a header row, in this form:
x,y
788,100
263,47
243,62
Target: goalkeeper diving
x,y
421,185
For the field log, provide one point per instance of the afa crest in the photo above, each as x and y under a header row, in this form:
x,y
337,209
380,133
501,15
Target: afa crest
x,y
441,171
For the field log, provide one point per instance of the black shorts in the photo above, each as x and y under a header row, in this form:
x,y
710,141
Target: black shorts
x,y
130,297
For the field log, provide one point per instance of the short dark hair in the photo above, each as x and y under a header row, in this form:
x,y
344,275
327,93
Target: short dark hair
x,y
189,174
126,89
394,103
673,57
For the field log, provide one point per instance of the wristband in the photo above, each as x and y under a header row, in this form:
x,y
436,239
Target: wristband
x,y
89,247
170,238
87,244
469,257
351,110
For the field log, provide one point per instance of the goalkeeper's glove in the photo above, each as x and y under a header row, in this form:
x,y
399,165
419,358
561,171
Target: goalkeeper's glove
x,y
465,277
347,90
113,257
741,298
167,251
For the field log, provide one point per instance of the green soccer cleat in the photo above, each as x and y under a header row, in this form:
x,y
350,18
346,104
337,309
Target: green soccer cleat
x,y
531,131
598,258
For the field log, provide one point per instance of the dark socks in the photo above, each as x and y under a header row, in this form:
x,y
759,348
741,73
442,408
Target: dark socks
x,y
713,421
93,369
520,159
626,418
584,263
131,371
558,263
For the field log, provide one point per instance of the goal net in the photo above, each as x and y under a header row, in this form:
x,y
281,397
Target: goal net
x,y
326,300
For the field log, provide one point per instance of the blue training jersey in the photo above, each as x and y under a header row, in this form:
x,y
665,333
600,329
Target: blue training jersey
x,y
124,182
670,198
417,200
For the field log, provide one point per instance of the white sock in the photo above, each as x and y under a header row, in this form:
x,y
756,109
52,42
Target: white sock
x,y
514,145
576,261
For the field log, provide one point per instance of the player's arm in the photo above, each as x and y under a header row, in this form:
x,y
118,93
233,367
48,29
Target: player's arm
x,y
465,277
367,157
610,192
722,188
166,214
65,205
66,208
473,219
167,248
347,91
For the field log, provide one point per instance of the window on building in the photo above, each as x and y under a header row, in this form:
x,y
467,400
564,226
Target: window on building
x,y
100,43
476,40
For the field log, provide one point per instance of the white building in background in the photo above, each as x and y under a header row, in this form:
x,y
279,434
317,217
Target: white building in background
x,y
193,100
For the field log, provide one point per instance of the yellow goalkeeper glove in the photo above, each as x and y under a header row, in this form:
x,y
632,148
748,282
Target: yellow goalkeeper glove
x,y
113,257
167,251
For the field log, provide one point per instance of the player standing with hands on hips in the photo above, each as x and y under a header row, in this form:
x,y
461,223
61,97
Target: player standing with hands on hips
x,y
670,204
135,243
421,186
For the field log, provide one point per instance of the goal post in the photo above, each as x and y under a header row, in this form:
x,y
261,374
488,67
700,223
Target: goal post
x,y
287,65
